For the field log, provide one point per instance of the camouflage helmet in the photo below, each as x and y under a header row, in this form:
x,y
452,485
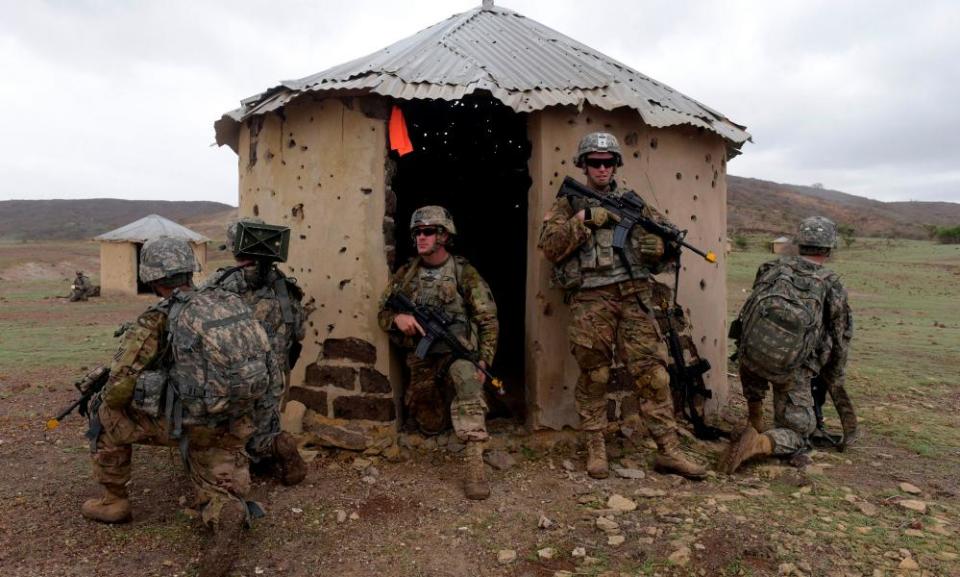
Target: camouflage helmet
x,y
598,142
165,257
433,215
232,230
817,231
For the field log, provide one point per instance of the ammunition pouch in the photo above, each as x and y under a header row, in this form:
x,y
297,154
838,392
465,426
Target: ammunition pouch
x,y
148,393
567,275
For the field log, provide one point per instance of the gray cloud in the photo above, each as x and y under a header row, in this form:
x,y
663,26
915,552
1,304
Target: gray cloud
x,y
118,98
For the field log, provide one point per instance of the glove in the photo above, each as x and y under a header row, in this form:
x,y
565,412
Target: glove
x,y
651,246
596,216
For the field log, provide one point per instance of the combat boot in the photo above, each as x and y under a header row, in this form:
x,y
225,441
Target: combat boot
x,y
755,415
670,459
113,507
224,545
475,485
290,467
750,444
596,455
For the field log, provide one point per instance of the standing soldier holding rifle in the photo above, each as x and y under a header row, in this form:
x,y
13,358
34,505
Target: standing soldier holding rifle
x,y
447,288
605,265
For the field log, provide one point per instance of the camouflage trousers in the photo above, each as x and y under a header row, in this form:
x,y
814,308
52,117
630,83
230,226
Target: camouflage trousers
x,y
433,381
216,462
266,420
607,322
793,417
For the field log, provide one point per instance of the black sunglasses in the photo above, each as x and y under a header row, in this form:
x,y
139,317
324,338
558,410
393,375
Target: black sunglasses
x,y
598,162
424,231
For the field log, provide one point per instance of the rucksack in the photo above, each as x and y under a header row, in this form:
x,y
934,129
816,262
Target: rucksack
x,y
782,320
222,362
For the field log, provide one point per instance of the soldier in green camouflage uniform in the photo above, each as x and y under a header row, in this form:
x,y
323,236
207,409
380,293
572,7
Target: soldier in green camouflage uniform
x,y
216,462
437,278
609,305
819,293
275,300
81,287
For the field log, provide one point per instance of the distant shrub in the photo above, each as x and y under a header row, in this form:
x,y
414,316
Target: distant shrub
x,y
740,242
948,235
847,233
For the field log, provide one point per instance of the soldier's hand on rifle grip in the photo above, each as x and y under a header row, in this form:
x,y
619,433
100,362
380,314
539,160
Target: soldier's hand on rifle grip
x,y
408,325
596,216
651,246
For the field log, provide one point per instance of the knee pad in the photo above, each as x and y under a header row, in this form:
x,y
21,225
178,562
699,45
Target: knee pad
x,y
654,384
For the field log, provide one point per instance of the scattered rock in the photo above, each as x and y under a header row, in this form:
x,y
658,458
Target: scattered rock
x,y
621,503
913,533
499,459
625,473
354,516
867,508
590,561
680,557
908,564
393,454
615,540
546,553
291,420
578,552
946,556
607,524
544,522
505,556
455,446
341,515
568,465
428,444
910,488
914,505
410,441
648,492
360,464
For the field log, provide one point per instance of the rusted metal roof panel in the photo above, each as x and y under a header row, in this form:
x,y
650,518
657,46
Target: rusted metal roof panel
x,y
521,62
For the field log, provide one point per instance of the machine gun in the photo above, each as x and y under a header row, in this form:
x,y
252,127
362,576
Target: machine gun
x,y
436,323
820,436
628,209
89,385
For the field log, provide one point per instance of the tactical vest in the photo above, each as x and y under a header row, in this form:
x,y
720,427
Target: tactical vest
x,y
440,287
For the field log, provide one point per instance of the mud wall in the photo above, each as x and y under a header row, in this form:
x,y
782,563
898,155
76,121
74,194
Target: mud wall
x,y
679,170
318,167
118,268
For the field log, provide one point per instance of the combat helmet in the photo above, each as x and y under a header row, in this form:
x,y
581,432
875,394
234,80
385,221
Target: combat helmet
x,y
433,215
166,257
598,142
817,231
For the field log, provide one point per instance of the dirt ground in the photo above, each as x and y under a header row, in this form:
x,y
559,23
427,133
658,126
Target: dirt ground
x,y
356,515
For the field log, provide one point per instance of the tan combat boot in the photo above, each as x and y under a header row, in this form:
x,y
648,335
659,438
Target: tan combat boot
x,y
755,415
224,546
596,455
290,466
750,444
475,485
671,460
113,507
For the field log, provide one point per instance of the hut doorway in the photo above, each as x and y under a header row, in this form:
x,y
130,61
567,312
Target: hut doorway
x,y
471,156
142,288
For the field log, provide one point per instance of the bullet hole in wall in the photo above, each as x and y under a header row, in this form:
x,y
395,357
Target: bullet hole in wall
x,y
653,143
709,158
679,176
703,284
303,237
713,184
563,162
269,155
631,139
557,174
256,210
297,210
636,154
330,327
693,217
303,149
343,249
291,143
365,190
696,177
556,149
589,120
344,283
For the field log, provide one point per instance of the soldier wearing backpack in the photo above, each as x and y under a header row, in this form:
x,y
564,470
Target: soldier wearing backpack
x,y
795,326
187,374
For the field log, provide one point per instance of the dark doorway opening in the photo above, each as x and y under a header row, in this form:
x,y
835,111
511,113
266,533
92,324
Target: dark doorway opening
x,y
471,156
141,287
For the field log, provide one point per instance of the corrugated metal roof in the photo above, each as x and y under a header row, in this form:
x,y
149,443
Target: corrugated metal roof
x,y
148,227
521,62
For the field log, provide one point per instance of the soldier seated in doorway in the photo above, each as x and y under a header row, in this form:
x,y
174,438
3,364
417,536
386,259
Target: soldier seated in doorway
x,y
795,327
436,278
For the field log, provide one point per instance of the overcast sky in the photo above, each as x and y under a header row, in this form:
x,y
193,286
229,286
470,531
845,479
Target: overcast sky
x,y
118,99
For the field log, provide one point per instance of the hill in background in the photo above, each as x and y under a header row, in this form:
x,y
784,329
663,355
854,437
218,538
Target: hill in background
x,y
770,207
86,218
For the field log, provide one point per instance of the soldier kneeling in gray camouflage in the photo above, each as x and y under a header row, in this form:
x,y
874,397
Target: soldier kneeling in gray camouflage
x,y
795,327
187,374
275,300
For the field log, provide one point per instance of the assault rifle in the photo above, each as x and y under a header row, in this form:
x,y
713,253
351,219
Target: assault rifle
x,y
821,437
628,209
436,323
89,385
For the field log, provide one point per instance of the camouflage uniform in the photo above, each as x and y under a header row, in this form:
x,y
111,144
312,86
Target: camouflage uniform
x,y
81,287
457,288
794,418
606,318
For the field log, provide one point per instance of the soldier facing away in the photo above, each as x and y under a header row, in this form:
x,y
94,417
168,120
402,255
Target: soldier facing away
x,y
275,300
608,291
185,375
436,278
795,326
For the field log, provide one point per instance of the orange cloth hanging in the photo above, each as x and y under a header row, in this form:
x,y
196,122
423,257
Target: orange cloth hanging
x,y
399,138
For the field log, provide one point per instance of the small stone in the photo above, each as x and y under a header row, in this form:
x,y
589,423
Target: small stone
x,y
562,574
648,492
546,553
369,479
341,515
393,454
867,508
167,563
578,552
914,505
568,465
913,533
505,556
499,459
410,441
607,524
786,569
615,540
428,444
946,556
296,510
625,473
455,446
544,522
909,564
885,455
645,540
680,557
620,503
359,464
590,560
354,516
910,488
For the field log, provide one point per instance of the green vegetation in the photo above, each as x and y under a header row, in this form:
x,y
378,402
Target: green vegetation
x,y
847,233
947,235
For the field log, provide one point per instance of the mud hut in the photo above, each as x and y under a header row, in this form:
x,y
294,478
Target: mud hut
x,y
120,252
482,113
781,245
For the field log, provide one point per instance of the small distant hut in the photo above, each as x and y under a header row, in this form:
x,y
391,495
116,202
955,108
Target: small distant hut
x,y
120,252
781,245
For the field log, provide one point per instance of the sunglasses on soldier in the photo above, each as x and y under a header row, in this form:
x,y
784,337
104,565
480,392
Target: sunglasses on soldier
x,y
424,231
598,162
